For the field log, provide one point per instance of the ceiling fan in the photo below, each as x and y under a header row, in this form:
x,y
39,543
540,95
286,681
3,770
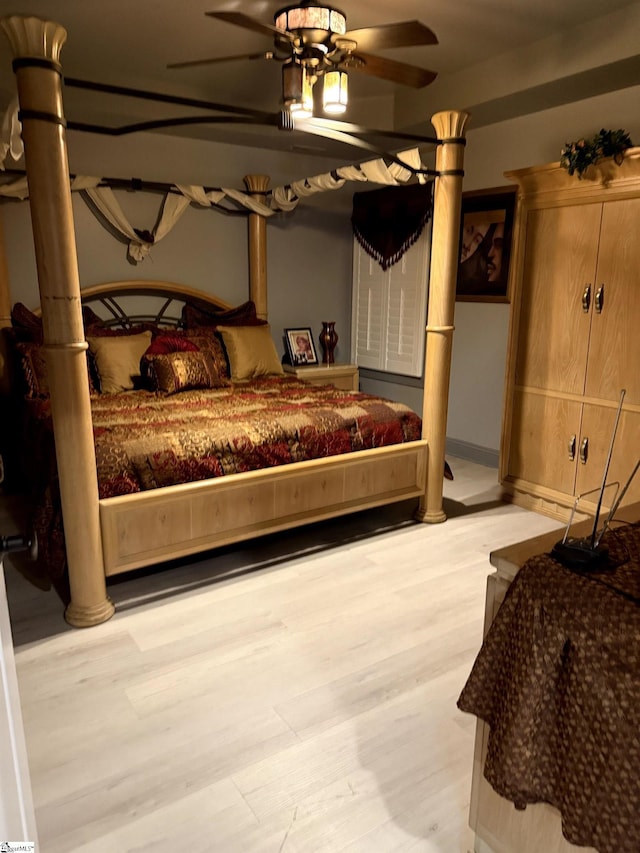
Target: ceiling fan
x,y
312,42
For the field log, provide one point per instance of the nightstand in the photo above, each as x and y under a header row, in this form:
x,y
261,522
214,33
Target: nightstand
x,y
343,376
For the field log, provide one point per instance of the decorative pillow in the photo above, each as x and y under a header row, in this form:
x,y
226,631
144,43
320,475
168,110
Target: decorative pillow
x,y
99,330
90,318
118,359
242,315
251,351
34,370
179,371
27,325
163,345
167,343
206,340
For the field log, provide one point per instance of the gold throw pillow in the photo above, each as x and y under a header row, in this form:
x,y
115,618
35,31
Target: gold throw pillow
x,y
118,360
251,351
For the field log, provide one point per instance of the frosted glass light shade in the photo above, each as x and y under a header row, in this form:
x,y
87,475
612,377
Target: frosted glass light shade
x,y
335,95
297,89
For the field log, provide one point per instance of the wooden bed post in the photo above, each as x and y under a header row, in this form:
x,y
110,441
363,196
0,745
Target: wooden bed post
x,y
5,292
36,46
445,240
5,314
257,186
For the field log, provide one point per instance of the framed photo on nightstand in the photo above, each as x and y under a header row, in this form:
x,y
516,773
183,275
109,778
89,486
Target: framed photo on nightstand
x,y
300,346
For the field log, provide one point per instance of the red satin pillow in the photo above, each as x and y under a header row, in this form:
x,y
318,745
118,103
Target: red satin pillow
x,y
165,344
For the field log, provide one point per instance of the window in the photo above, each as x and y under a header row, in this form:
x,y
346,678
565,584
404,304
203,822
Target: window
x,y
389,310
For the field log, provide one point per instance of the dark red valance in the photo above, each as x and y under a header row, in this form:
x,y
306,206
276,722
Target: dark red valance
x,y
387,222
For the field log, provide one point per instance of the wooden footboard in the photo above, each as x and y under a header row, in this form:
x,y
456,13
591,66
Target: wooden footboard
x,y
150,527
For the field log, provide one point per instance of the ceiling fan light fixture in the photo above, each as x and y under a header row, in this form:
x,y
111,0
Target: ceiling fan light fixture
x,y
335,93
297,89
325,18
311,41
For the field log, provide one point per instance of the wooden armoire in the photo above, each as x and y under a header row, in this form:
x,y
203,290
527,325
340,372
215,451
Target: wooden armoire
x,y
574,339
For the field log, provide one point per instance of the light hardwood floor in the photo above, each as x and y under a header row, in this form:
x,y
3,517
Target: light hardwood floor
x,y
293,695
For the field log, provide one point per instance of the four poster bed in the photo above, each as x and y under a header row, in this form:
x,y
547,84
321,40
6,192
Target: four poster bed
x,y
211,456
109,534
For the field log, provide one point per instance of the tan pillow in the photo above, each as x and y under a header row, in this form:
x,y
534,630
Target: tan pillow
x,y
118,360
251,351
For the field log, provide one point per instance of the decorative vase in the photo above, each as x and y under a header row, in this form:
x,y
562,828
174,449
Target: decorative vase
x,y
328,340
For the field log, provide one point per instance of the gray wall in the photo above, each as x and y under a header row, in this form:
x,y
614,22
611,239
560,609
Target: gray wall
x,y
309,251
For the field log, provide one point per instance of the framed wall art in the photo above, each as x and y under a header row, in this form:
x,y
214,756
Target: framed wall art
x,y
300,347
486,229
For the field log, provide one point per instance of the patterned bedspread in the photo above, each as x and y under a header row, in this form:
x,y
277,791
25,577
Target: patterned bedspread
x,y
146,441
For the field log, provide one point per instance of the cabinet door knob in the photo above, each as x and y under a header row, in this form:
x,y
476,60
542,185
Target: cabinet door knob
x,y
586,299
584,450
599,299
572,448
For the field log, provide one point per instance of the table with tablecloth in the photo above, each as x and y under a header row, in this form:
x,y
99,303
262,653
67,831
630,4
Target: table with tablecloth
x,y
558,682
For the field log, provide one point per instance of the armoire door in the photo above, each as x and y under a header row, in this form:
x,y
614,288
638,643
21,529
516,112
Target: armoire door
x,y
614,351
597,429
557,290
545,440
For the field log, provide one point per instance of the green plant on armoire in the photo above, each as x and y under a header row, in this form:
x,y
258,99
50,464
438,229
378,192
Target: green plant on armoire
x,y
576,157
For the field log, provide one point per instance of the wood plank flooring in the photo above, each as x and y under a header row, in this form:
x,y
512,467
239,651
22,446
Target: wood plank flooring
x,y
294,695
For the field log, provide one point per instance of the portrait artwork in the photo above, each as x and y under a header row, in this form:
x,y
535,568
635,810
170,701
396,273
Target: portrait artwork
x,y
485,246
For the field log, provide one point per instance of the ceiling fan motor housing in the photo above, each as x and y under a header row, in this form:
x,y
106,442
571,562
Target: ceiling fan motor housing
x,y
322,19
315,28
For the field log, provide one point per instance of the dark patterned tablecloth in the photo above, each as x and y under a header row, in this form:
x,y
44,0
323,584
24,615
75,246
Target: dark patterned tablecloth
x,y
558,682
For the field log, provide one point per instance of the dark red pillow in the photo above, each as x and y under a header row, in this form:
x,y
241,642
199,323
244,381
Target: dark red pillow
x,y
35,372
90,318
242,315
165,344
27,325
102,331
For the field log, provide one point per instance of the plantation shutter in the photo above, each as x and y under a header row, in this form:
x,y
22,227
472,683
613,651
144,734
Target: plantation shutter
x,y
389,310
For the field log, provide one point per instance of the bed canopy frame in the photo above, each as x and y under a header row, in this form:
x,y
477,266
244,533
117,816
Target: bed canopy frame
x,y
98,533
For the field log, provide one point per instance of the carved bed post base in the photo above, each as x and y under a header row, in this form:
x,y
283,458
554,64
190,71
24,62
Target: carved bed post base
x,y
423,513
86,617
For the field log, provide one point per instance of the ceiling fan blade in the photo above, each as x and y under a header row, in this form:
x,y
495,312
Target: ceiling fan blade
x,y
192,63
402,34
389,69
249,23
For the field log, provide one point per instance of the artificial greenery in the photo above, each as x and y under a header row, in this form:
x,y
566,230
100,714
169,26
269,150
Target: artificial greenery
x,y
576,157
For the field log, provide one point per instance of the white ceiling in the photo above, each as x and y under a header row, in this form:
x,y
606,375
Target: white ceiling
x,y
130,42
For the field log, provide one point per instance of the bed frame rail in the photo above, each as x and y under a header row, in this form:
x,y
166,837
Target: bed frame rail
x,y
162,524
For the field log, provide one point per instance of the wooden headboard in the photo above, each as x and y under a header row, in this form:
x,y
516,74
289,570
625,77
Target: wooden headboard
x,y
123,304
109,301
